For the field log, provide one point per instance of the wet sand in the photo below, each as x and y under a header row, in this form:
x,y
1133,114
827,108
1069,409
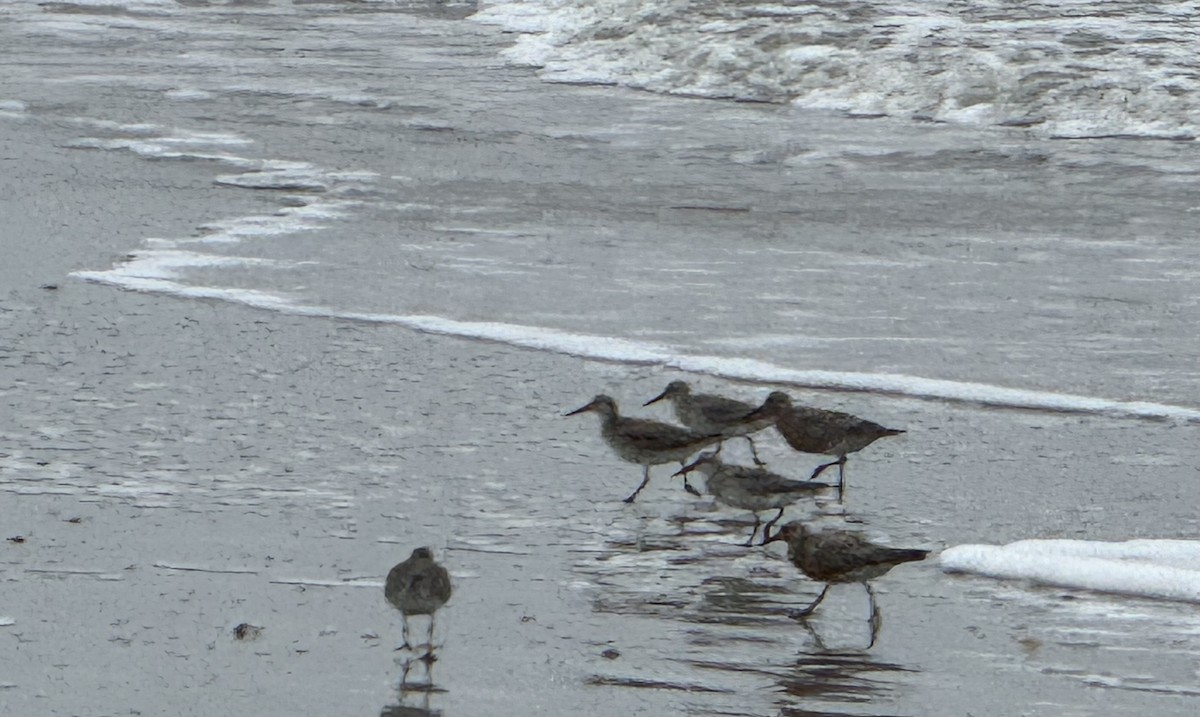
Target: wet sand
x,y
176,468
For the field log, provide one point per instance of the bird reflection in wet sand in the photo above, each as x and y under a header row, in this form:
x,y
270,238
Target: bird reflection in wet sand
x,y
648,443
752,489
815,430
837,678
707,413
412,703
840,556
418,586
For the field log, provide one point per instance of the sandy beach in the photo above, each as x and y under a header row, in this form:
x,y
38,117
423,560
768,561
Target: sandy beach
x,y
174,468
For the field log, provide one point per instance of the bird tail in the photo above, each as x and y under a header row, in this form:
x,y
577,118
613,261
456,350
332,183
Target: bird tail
x,y
908,555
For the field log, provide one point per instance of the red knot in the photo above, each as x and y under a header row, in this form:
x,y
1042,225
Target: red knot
x,y
648,443
815,430
841,556
753,489
418,586
708,413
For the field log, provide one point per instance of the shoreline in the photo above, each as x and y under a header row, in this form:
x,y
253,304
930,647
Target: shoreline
x,y
230,466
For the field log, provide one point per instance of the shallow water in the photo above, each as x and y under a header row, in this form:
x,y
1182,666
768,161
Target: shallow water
x,y
360,171
409,176
1061,68
280,465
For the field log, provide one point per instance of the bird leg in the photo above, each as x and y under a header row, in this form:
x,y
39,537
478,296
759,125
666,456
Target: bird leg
x,y
841,461
405,646
686,485
754,452
754,532
841,464
820,644
404,676
806,611
767,527
842,479
876,616
645,479
429,657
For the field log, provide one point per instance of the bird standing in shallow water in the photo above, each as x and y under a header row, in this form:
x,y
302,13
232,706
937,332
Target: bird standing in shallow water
x,y
708,414
752,489
418,586
815,430
840,556
648,443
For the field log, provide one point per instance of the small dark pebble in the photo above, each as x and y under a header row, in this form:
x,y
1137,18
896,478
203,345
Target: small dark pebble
x,y
17,539
610,654
75,520
246,631
49,287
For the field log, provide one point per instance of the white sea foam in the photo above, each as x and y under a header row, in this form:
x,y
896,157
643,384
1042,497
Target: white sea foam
x,y
188,95
608,348
302,178
1165,569
170,263
141,5
289,220
13,109
327,583
1064,68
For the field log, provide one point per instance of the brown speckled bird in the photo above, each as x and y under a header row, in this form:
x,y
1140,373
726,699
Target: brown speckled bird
x,y
418,586
708,413
648,443
815,430
841,556
753,489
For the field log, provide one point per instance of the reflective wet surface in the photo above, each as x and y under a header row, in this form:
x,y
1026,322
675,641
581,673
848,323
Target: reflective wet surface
x,y
176,468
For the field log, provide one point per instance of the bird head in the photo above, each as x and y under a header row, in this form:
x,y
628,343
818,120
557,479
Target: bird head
x,y
600,404
773,407
705,460
793,533
674,388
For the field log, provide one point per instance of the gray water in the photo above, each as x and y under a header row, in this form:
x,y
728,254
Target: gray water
x,y
1062,68
442,183
431,178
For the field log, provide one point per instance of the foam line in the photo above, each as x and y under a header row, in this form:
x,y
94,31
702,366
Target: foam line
x,y
607,348
1163,569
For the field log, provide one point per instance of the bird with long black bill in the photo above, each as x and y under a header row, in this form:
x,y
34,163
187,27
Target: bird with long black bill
x,y
841,556
647,443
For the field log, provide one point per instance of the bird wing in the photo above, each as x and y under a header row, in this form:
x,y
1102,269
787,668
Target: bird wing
x,y
768,482
721,410
418,585
839,552
806,430
439,583
652,435
845,552
433,584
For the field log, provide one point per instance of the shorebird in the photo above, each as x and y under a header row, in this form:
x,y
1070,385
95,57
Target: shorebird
x,y
840,556
708,413
418,586
648,443
752,489
815,430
